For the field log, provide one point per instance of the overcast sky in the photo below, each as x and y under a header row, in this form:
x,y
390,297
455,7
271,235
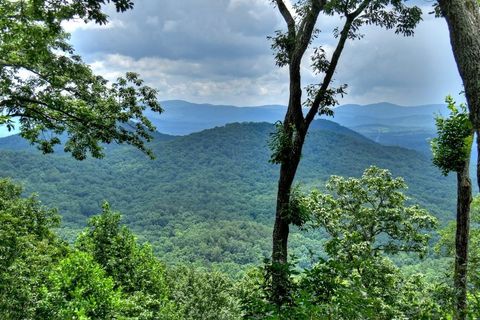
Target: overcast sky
x,y
217,51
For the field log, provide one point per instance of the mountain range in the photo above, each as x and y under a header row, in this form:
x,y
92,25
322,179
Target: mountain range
x,y
385,123
209,196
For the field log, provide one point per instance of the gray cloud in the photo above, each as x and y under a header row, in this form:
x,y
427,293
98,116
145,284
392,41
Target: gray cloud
x,y
187,29
217,51
404,70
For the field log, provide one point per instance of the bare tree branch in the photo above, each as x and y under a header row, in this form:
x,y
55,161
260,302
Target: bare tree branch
x,y
287,15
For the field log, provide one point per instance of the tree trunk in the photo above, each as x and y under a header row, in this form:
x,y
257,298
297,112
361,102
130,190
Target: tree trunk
x,y
281,230
463,19
464,198
477,132
294,126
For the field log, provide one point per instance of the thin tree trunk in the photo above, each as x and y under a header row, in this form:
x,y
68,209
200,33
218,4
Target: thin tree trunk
x,y
477,132
464,198
294,127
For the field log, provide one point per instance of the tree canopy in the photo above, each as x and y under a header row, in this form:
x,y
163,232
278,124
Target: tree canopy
x,y
49,90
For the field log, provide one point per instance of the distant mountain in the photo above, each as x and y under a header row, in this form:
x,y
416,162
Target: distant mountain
x,y
387,114
182,117
386,123
389,124
209,196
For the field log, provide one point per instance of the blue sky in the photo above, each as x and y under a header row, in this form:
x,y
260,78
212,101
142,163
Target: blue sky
x,y
217,51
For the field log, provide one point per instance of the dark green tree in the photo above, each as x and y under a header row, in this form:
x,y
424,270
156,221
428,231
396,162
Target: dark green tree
x,y
199,294
78,288
133,267
290,48
451,153
28,248
47,87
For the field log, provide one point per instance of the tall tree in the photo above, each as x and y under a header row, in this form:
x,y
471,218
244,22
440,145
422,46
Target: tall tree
x,y
463,20
451,153
50,90
290,48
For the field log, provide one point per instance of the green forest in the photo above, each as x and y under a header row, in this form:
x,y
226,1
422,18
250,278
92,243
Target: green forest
x,y
102,216
208,198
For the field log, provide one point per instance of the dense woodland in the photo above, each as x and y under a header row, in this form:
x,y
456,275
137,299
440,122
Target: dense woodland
x,y
301,219
208,197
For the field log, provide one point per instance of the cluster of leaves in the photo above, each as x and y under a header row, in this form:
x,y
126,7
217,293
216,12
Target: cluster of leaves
x,y
451,148
388,14
49,90
280,142
329,98
28,248
298,213
369,214
365,219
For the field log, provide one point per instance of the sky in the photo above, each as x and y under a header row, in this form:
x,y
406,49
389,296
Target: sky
x,y
217,51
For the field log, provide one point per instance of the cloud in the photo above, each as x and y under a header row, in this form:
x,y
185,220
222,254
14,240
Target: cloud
x,y
187,29
185,80
218,52
78,24
404,70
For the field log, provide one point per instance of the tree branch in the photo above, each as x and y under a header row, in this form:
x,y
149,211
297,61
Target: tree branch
x,y
330,71
287,16
306,29
334,61
40,75
359,10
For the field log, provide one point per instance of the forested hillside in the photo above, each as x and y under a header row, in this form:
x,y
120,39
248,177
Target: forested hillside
x,y
209,196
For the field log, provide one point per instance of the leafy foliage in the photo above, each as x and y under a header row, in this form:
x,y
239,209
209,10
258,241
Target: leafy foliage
x,y
77,288
107,276
50,90
364,218
369,215
28,248
203,295
135,270
280,142
455,136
